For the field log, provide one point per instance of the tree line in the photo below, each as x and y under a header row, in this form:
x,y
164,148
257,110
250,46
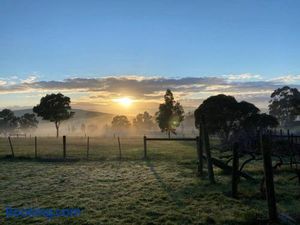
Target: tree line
x,y
168,118
54,108
236,121
224,115
10,123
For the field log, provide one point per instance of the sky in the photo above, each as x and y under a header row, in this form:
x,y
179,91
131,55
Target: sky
x,y
99,51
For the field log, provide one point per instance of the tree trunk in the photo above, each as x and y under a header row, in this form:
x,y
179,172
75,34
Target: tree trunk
x,y
206,146
57,129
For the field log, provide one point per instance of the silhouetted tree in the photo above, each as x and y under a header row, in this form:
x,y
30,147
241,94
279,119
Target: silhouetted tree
x,y
170,114
285,105
8,121
260,121
55,108
120,122
28,121
143,121
224,115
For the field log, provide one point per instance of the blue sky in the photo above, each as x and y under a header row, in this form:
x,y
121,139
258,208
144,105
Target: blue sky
x,y
59,39
249,43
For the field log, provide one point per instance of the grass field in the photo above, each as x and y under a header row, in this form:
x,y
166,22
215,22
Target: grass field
x,y
161,190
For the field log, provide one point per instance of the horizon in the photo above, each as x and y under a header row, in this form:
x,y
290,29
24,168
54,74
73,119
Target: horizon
x,y
143,93
101,51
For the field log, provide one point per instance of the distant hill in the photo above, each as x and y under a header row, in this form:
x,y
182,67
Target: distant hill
x,y
94,122
80,114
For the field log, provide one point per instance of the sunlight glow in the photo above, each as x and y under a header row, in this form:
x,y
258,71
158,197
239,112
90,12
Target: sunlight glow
x,y
125,101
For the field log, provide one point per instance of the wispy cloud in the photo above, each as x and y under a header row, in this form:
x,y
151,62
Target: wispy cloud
x,y
3,82
287,79
243,77
30,79
190,90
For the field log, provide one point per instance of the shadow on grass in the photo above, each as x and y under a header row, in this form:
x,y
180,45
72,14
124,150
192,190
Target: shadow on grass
x,y
30,159
166,188
9,158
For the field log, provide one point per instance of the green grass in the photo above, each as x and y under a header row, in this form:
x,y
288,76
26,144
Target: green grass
x,y
99,148
161,190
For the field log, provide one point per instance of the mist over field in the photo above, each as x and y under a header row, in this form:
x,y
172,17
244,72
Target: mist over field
x,y
94,122
149,112
98,124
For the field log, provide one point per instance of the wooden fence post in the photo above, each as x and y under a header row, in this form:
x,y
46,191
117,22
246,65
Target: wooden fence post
x,y
120,151
289,147
206,146
235,170
292,150
268,172
145,147
88,147
64,147
35,146
199,154
11,147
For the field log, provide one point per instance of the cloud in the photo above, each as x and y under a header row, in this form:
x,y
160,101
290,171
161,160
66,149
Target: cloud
x,y
287,79
29,80
191,91
3,82
243,77
115,84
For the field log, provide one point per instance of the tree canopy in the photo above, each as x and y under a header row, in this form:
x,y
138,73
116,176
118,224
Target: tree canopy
x,y
120,122
223,113
143,121
285,105
261,121
224,116
170,114
55,108
8,121
28,121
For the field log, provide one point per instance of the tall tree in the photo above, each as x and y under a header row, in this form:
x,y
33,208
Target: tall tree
x,y
55,108
224,115
8,121
170,114
120,122
143,121
261,121
28,121
285,105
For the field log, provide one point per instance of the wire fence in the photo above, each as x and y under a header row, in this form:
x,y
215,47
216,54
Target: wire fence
x,y
94,148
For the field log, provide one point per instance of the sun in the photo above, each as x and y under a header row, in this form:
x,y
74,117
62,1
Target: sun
x,y
125,101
